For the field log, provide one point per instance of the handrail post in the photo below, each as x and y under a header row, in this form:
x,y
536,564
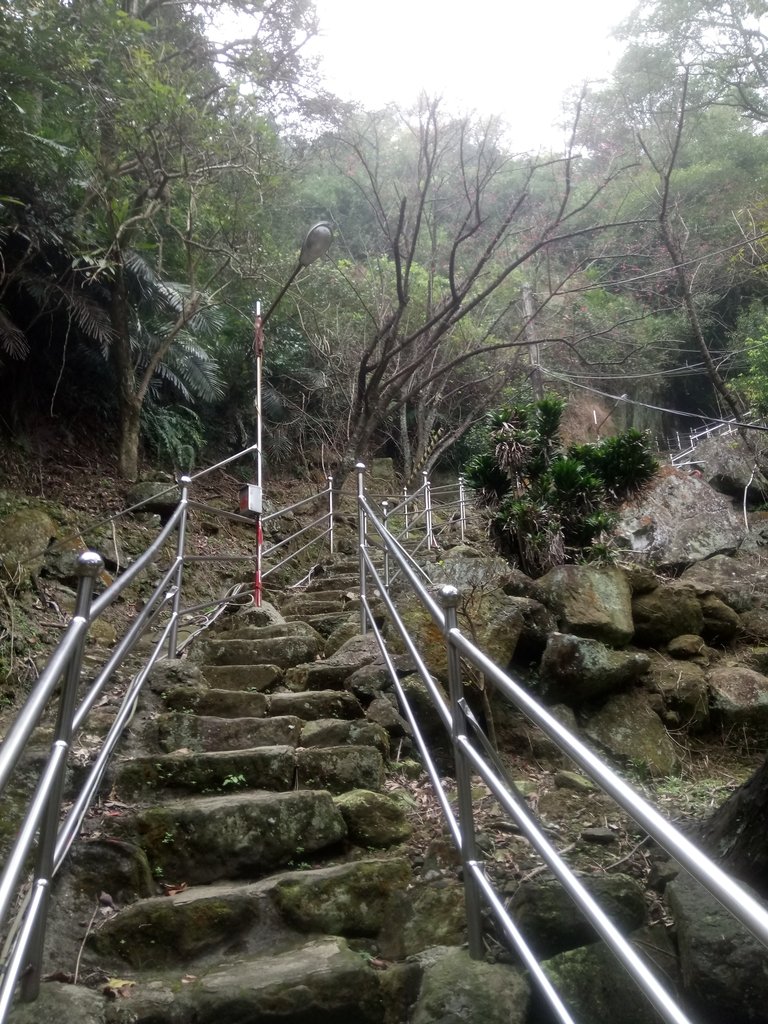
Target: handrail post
x,y
184,482
330,515
449,600
462,509
89,565
362,542
428,511
406,509
385,517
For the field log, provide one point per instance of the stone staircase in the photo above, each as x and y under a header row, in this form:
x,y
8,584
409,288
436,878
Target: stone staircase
x,y
236,871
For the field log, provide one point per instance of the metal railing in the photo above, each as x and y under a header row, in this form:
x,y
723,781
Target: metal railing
x,y
47,827
474,755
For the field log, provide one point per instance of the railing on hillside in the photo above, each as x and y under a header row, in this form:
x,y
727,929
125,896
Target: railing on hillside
x,y
474,754
46,834
687,443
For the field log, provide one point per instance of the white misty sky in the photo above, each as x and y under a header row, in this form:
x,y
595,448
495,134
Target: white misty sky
x,y
514,59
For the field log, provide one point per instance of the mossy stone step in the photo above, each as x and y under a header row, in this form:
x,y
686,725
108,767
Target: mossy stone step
x,y
245,835
250,632
319,604
202,922
317,675
216,771
331,732
282,651
325,623
349,582
253,678
207,732
314,705
339,769
218,703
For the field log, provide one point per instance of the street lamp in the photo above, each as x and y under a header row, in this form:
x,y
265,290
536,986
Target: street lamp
x,y
315,245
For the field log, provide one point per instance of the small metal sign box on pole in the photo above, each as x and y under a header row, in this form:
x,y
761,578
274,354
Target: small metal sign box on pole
x,y
250,499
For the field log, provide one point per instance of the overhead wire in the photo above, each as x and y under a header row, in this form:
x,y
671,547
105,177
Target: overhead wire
x,y
706,417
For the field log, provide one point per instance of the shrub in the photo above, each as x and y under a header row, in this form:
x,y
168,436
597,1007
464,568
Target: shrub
x,y
550,506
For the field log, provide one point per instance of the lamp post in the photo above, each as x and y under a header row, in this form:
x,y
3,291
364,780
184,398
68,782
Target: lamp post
x,y
315,245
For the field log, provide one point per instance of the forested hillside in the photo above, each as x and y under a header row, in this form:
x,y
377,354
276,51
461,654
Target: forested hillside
x,y
161,163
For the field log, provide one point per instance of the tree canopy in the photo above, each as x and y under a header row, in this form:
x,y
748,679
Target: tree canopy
x,y
161,163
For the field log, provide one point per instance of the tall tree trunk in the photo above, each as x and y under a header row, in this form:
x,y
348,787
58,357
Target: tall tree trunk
x,y
128,403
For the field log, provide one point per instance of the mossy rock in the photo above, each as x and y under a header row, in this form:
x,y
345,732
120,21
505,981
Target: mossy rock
x,y
373,819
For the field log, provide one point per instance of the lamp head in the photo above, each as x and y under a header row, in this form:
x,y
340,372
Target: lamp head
x,y
316,244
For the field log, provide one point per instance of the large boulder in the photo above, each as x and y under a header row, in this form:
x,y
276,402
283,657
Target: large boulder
x,y
595,988
677,520
728,465
590,601
575,670
24,536
683,688
666,612
456,989
489,617
741,581
552,923
722,964
740,699
631,733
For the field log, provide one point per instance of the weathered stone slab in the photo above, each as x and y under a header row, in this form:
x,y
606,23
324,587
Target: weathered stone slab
x,y
575,669
345,899
677,520
254,678
590,602
722,964
628,730
322,981
216,703
317,704
552,923
214,837
216,771
373,819
206,732
740,699
282,651
339,769
456,988
333,732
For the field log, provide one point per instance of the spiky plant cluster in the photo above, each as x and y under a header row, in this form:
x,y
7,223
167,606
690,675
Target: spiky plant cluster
x,y
548,504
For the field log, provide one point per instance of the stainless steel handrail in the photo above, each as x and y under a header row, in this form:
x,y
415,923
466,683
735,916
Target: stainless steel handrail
x,y
733,896
22,954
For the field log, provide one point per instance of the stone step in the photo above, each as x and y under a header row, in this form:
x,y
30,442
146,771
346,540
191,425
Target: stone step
x,y
340,769
321,980
243,835
321,604
250,632
218,771
316,705
241,677
324,624
202,922
317,675
337,769
336,580
216,703
206,732
331,732
282,651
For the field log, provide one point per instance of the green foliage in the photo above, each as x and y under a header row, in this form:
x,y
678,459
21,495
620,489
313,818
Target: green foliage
x,y
173,434
550,505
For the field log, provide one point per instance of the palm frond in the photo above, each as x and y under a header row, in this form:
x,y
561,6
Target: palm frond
x,y
12,340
